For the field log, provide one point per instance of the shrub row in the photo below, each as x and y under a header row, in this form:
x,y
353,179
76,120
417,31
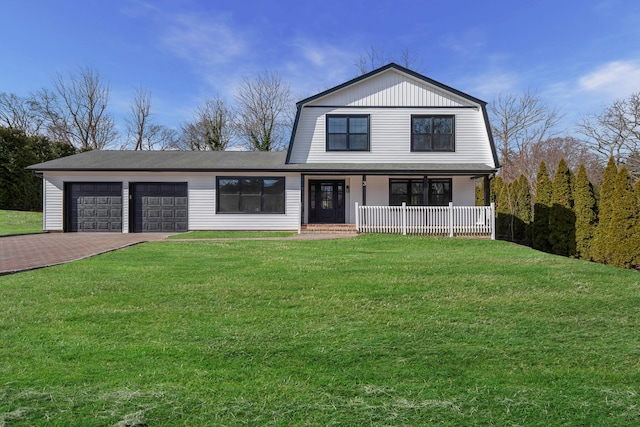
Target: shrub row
x,y
567,218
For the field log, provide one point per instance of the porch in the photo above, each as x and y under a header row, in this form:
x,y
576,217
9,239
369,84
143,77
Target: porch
x,y
467,221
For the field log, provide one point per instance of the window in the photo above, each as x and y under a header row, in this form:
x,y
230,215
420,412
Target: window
x,y
439,192
432,133
411,191
347,133
250,195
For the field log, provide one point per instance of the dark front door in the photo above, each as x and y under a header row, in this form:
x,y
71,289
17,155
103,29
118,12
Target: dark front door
x,y
326,202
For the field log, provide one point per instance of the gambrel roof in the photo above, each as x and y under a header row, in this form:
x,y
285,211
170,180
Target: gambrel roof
x,y
393,76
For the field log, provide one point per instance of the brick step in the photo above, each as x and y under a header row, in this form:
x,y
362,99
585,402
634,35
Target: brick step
x,y
328,228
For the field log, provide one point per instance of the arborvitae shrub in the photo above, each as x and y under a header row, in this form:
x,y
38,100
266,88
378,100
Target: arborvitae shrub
x,y
504,211
562,220
584,206
522,209
541,207
622,236
479,187
600,245
496,187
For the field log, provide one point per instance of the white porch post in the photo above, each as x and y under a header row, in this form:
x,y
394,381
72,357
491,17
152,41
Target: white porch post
x,y
450,219
357,218
404,218
301,216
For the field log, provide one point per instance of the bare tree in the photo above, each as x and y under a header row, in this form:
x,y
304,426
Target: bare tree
x,y
48,109
212,128
20,113
139,126
550,151
517,121
616,131
142,132
375,57
410,60
76,110
263,121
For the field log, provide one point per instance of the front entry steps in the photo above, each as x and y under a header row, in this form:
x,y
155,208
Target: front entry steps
x,y
328,229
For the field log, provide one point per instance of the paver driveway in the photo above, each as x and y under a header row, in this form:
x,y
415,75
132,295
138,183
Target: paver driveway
x,y
19,253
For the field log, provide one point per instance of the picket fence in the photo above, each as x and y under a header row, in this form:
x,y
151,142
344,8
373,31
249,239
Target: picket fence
x,y
471,221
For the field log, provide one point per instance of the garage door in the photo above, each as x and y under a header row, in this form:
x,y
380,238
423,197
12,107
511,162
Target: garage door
x,y
93,206
159,207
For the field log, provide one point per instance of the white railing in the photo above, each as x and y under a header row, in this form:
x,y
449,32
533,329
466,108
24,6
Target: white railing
x,y
475,221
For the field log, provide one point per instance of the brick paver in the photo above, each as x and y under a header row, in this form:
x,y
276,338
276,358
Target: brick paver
x,y
19,253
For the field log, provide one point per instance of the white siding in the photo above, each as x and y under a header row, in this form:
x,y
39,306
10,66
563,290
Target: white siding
x,y
393,88
464,191
382,97
201,187
390,137
53,204
202,201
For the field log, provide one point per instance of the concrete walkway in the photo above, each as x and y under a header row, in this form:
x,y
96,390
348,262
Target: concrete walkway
x,y
31,251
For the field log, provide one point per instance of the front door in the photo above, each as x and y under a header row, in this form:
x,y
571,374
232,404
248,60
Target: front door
x,y
326,202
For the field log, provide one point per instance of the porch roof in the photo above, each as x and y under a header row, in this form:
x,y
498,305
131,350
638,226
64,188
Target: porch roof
x,y
241,161
396,168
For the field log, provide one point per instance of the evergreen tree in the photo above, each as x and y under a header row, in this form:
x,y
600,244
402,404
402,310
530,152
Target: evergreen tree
x,y
585,211
504,211
562,220
623,236
522,208
541,208
495,188
600,245
21,189
479,187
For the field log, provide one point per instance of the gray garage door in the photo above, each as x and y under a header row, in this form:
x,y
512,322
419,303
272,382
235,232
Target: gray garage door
x,y
93,206
159,207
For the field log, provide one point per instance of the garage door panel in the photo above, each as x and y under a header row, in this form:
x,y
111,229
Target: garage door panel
x,y
159,207
93,206
150,201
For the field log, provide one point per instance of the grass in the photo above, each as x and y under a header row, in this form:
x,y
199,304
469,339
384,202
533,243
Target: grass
x,y
20,222
232,234
375,330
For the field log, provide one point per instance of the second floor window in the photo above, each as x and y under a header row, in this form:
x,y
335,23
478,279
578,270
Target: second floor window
x,y
348,132
432,133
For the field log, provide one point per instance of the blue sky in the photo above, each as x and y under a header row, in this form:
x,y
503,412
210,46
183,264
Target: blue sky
x,y
579,55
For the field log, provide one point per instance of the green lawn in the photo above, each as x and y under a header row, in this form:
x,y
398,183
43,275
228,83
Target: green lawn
x,y
232,234
375,330
19,222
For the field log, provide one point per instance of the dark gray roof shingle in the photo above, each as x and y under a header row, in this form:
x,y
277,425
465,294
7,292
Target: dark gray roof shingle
x,y
235,161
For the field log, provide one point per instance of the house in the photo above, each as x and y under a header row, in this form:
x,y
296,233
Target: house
x,y
388,138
